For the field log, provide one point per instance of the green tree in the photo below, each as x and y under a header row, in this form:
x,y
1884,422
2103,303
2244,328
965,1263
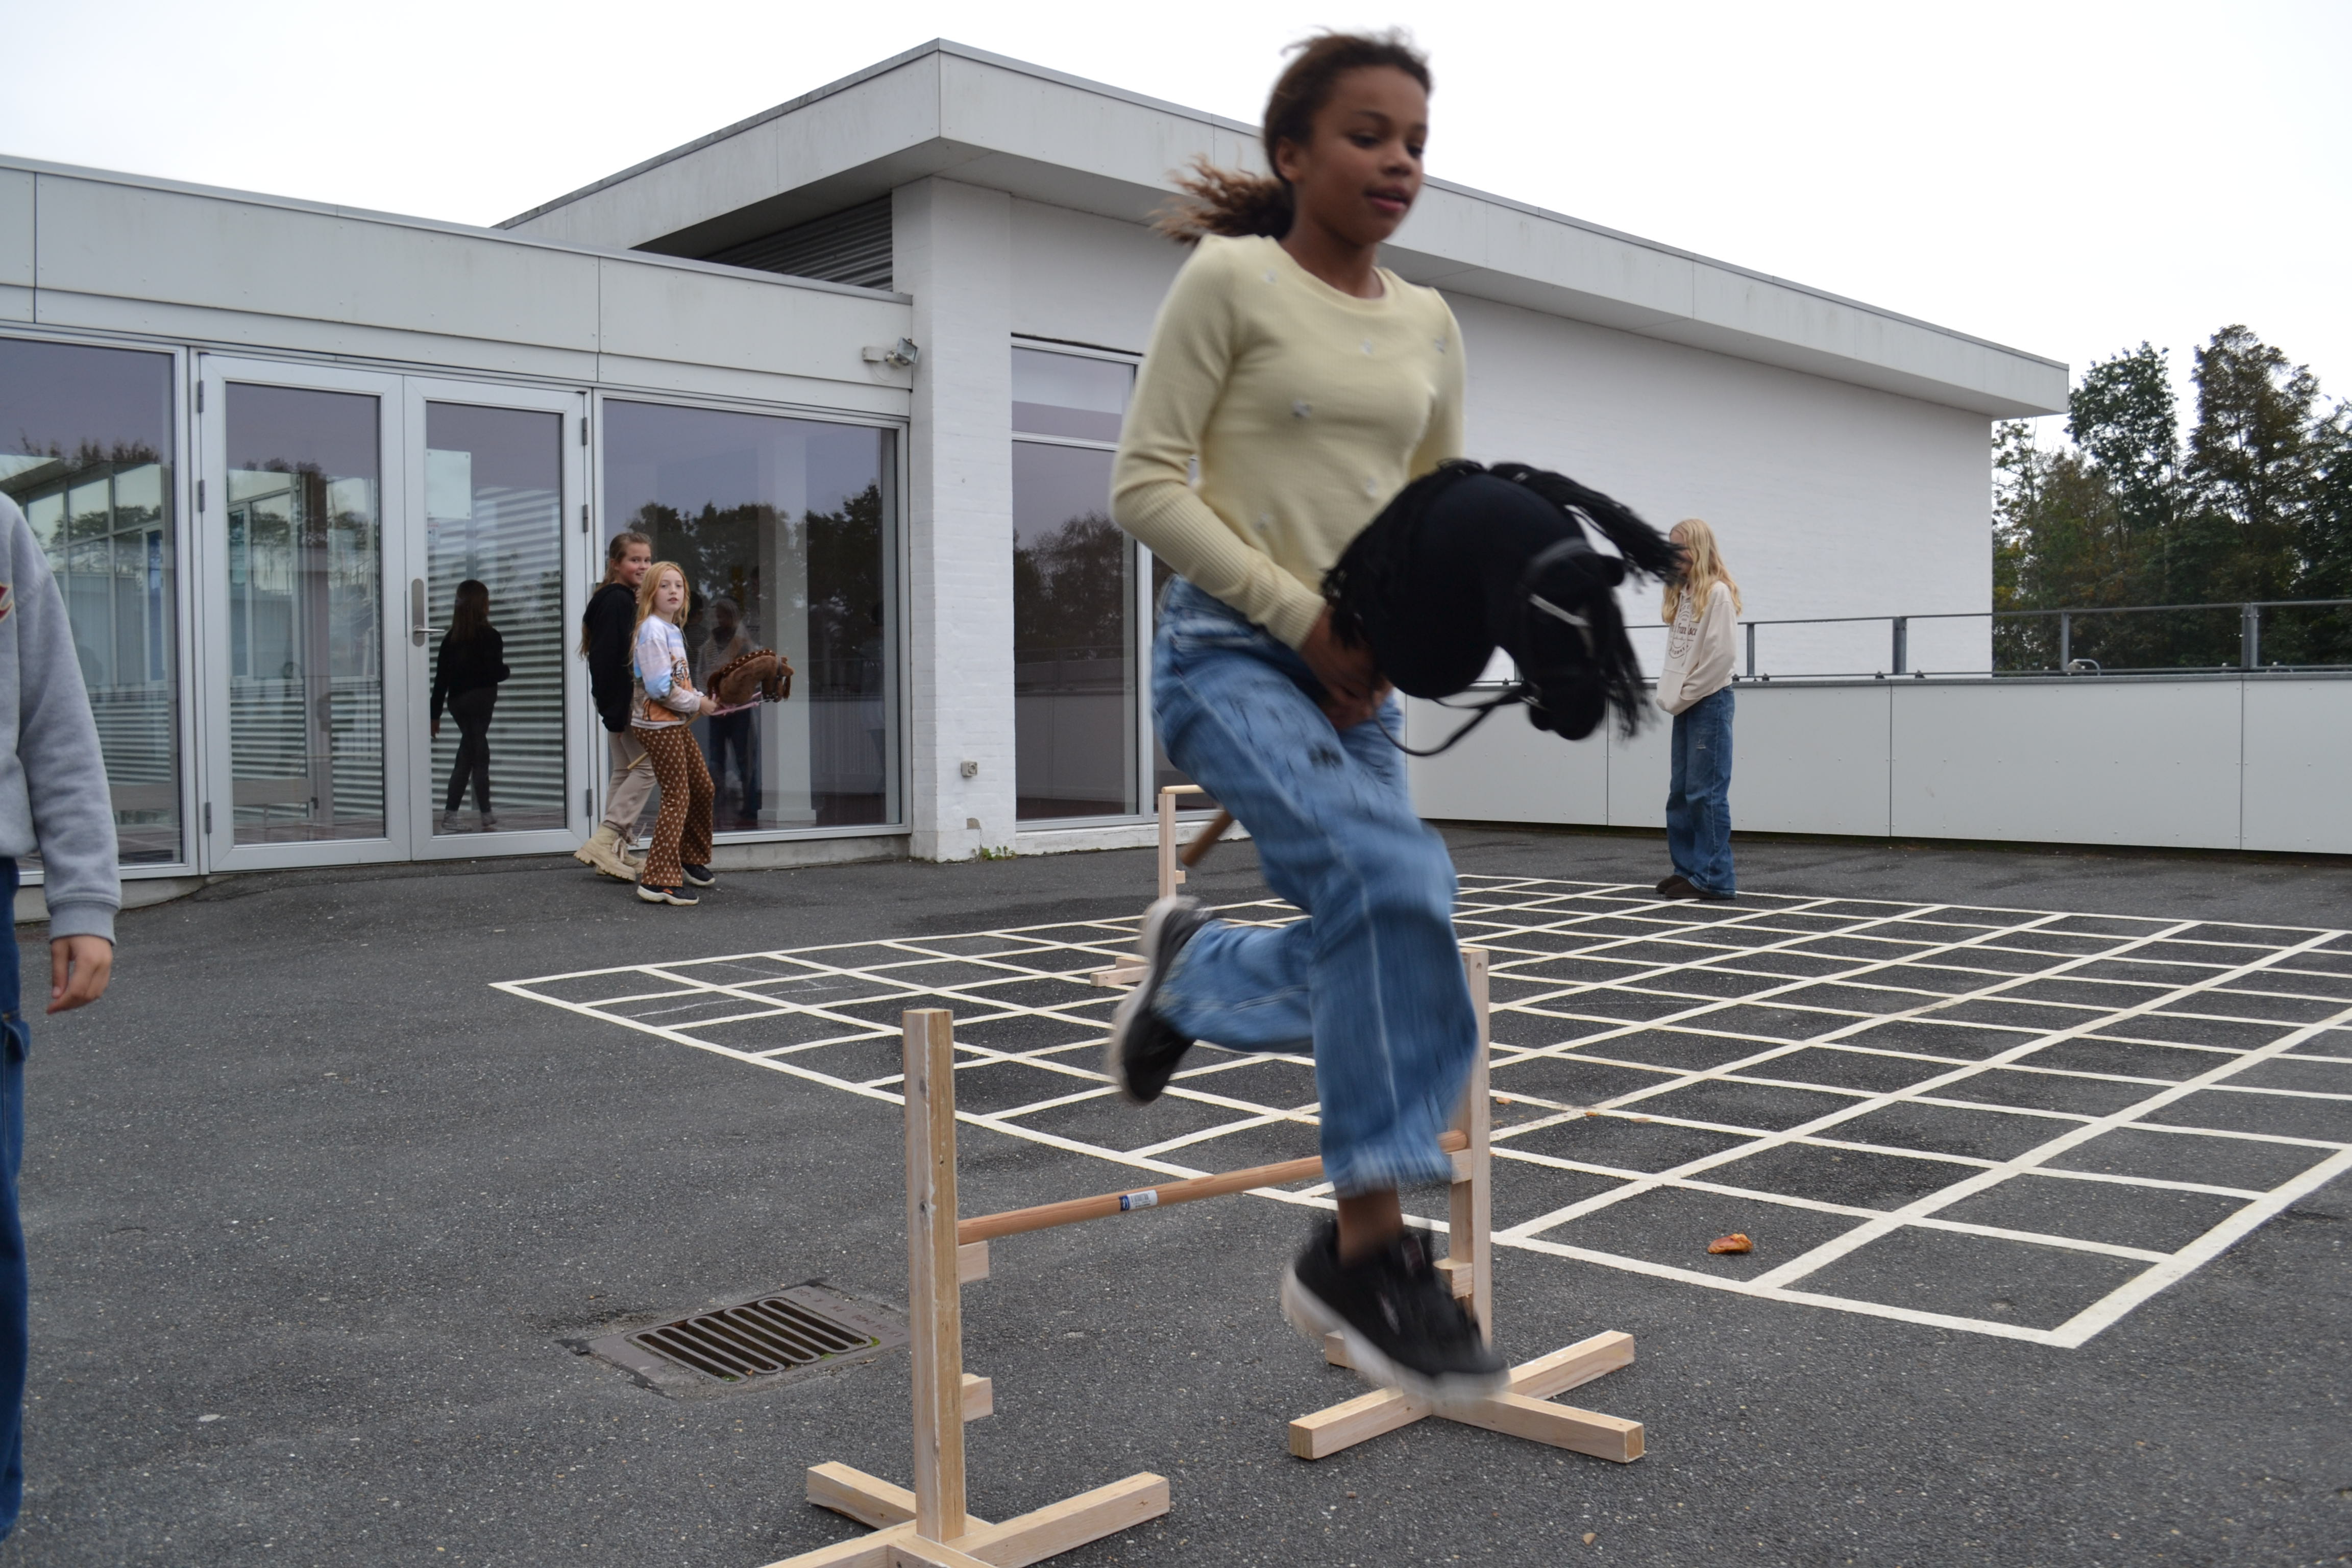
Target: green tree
x,y
2252,468
2259,507
2324,551
2058,542
2122,417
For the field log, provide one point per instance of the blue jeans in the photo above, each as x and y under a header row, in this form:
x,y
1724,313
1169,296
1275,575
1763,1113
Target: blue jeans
x,y
1373,978
1698,801
14,1307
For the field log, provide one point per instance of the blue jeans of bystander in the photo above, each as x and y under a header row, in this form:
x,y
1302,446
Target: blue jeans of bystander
x,y
1698,801
15,1309
1371,980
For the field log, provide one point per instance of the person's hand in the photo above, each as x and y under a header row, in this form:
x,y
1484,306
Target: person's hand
x,y
79,967
1350,678
709,706
436,729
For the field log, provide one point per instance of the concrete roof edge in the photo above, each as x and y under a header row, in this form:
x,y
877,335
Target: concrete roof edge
x,y
866,74
1105,89
437,225
1474,194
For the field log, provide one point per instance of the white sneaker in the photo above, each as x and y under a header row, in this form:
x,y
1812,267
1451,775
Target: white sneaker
x,y
490,822
449,822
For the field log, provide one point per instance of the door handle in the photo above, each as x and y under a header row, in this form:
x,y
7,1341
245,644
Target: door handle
x,y
417,629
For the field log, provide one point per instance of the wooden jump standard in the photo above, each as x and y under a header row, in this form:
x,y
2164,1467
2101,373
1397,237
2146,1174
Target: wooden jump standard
x,y
930,1528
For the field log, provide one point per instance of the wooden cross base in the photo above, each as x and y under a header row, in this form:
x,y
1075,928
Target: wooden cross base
x,y
1032,1538
1526,1411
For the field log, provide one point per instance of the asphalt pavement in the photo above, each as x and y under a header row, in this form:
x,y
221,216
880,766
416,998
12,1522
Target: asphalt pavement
x,y
313,1209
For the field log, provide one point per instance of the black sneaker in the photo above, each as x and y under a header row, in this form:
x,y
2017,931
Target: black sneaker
x,y
698,875
682,897
1401,1325
1144,1050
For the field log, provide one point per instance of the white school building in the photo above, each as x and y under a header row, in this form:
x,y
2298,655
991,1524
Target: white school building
x,y
264,440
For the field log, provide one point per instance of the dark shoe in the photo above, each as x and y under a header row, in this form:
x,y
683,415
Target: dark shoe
x,y
1679,886
1668,878
698,875
1401,1325
682,897
1710,895
1144,1050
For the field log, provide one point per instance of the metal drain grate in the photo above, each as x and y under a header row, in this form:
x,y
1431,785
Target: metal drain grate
x,y
771,1339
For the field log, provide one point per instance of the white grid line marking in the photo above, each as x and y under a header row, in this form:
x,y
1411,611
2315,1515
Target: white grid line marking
x,y
1835,969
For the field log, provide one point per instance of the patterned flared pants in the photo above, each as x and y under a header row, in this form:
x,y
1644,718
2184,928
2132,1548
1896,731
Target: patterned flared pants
x,y
682,832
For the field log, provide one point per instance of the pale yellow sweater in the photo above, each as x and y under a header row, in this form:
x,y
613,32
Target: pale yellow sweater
x,y
1308,409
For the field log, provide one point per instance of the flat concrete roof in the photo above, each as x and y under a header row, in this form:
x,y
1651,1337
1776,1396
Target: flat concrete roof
x,y
947,108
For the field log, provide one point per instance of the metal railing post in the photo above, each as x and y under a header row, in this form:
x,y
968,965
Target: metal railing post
x,y
2249,637
1752,650
2065,642
1902,643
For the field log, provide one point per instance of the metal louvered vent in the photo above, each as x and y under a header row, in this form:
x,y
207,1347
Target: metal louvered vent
x,y
769,1340
849,247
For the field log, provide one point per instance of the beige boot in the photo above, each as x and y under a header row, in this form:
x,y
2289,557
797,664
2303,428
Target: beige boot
x,y
603,851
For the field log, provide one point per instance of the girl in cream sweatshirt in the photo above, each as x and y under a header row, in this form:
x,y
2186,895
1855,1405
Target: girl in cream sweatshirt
x,y
1702,614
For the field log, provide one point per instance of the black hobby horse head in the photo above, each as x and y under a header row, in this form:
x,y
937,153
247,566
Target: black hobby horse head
x,y
1468,558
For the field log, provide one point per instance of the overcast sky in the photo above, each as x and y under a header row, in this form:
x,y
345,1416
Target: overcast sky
x,y
2067,179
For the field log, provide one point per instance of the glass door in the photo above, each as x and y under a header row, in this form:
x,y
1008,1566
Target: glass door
x,y
488,632
298,480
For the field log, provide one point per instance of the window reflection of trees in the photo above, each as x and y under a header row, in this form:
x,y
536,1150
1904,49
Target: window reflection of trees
x,y
101,513
1069,606
841,670
304,543
718,549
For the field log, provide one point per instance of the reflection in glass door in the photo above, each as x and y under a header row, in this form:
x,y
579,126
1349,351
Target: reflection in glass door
x,y
493,624
305,633
88,449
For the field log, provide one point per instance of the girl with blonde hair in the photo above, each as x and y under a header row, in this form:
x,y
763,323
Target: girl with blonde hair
x,y
1702,614
662,706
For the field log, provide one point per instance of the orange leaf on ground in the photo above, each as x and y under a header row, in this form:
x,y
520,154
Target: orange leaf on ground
x,y
1736,1242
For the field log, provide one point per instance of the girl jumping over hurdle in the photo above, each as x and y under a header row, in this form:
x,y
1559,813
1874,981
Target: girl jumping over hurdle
x,y
1310,384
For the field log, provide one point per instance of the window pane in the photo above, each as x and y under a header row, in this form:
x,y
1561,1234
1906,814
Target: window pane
x,y
88,454
1074,685
1065,394
494,516
306,592
785,537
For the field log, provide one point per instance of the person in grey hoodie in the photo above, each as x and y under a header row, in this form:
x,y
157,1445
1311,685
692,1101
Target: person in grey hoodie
x,y
53,802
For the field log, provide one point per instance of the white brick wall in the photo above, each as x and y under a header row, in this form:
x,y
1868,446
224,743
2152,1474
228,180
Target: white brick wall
x,y
952,251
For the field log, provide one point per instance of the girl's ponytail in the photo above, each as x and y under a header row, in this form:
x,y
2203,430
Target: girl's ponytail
x,y
1238,204
1228,202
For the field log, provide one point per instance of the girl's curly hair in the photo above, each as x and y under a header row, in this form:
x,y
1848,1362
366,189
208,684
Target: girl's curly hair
x,y
1236,203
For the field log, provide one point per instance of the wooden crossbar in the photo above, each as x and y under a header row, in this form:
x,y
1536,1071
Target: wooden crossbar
x,y
1071,1211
